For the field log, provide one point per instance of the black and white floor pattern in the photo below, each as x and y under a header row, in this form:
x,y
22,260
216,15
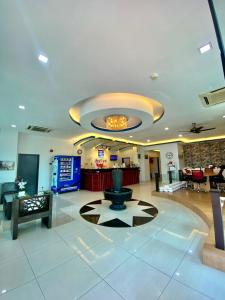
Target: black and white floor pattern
x,y
137,213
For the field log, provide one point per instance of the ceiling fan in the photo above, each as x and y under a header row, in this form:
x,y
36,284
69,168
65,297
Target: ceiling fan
x,y
197,129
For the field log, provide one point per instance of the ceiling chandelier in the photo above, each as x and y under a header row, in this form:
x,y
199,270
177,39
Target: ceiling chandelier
x,y
116,122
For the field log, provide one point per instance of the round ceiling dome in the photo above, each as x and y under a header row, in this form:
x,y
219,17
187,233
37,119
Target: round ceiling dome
x,y
116,112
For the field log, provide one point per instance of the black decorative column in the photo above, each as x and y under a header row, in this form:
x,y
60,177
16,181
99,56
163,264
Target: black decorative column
x,y
170,177
217,219
157,182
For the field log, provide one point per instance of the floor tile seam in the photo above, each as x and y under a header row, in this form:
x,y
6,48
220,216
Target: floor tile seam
x,y
67,235
138,247
114,290
185,249
103,277
35,277
8,260
175,278
84,250
89,290
194,289
167,244
86,292
18,286
55,267
36,251
58,265
28,252
166,286
150,265
170,278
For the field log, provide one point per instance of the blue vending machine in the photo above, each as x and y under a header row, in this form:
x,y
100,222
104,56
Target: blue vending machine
x,y
65,173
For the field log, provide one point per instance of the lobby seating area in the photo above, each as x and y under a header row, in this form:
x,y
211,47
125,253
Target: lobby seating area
x,y
167,251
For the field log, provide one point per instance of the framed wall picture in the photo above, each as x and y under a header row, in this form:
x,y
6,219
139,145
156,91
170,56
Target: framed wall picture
x,y
7,165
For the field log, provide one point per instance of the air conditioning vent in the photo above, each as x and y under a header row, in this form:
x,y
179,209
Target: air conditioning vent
x,y
38,128
213,97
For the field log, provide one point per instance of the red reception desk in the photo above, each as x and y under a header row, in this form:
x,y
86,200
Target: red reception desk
x,y
100,179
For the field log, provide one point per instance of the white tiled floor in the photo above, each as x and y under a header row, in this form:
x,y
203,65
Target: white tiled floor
x,y
77,259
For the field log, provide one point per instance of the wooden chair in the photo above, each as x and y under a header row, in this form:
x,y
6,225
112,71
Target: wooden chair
x,y
31,208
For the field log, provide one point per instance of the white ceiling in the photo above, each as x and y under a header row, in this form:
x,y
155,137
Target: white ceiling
x,y
100,46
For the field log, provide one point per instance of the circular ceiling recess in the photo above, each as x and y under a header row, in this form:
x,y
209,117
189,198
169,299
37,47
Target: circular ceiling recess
x,y
116,112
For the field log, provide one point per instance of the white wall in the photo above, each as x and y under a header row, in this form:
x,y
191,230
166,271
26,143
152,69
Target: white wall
x,y
34,144
89,156
8,152
129,152
181,156
144,166
164,148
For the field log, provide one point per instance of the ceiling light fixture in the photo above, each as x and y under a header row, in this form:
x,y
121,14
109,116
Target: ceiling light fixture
x,y
205,48
224,116
43,58
116,122
131,136
13,126
180,135
166,128
21,107
148,141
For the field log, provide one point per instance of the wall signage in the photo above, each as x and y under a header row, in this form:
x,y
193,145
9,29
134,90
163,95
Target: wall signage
x,y
100,153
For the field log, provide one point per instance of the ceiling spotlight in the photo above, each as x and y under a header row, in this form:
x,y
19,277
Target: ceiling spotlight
x,y
148,141
131,136
224,116
180,135
21,107
205,48
13,126
166,128
43,58
154,76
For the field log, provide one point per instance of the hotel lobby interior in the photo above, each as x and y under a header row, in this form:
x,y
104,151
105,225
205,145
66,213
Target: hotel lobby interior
x,y
112,150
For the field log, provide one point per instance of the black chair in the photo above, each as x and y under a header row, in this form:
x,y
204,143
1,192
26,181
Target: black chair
x,y
31,208
185,177
8,188
217,180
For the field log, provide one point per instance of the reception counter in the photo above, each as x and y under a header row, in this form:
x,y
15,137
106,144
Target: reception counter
x,y
101,179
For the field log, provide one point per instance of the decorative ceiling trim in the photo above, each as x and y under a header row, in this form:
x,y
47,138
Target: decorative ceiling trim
x,y
77,140
141,111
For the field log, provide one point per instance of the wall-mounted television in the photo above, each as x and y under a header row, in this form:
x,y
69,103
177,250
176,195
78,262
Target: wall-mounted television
x,y
113,157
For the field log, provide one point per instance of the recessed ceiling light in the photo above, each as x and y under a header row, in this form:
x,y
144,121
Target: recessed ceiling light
x,y
166,128
205,48
148,141
154,76
13,126
21,107
43,58
224,116
131,136
180,135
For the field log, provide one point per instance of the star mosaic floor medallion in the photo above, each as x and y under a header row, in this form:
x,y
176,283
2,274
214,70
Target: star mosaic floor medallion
x,y
137,213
